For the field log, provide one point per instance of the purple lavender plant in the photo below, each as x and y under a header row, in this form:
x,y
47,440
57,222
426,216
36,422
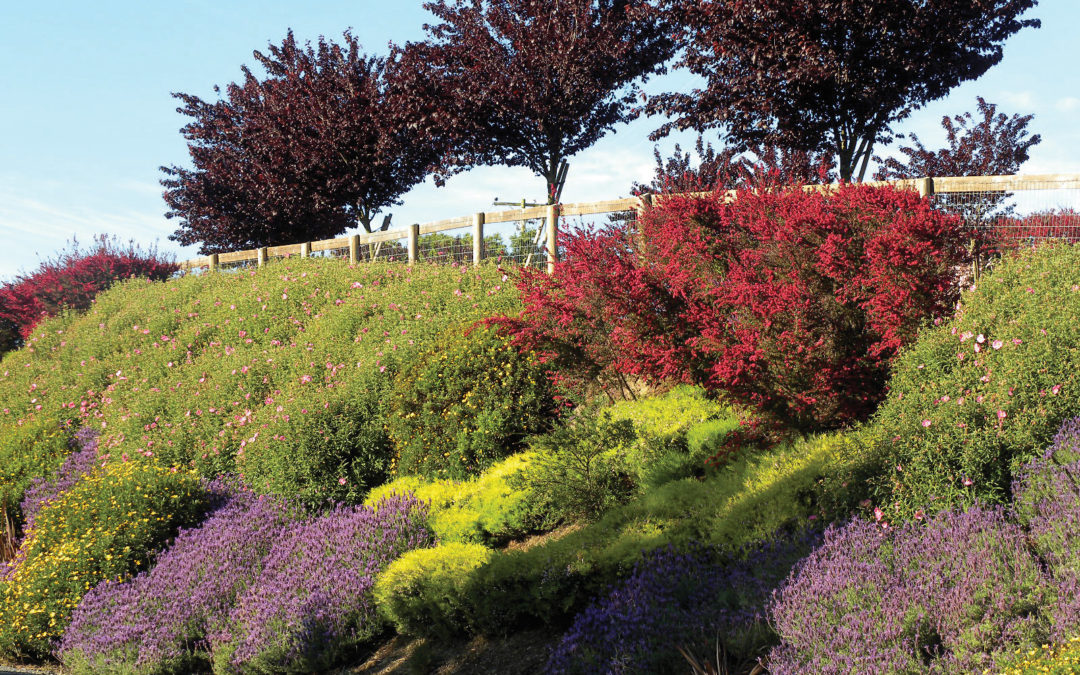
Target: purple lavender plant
x,y
43,490
946,596
159,620
675,599
1046,498
313,599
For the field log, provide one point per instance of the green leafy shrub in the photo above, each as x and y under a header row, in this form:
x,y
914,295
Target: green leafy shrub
x,y
749,500
580,467
466,402
32,450
105,528
491,508
663,450
420,592
980,394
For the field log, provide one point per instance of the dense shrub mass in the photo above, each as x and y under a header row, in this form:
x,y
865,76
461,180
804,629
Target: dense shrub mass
x,y
279,373
789,300
71,281
977,396
1047,501
159,621
80,463
108,526
953,594
31,453
420,592
679,599
466,402
312,601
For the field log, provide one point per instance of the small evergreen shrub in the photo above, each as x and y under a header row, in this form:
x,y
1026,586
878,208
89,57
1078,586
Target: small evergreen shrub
x,y
420,592
159,620
312,602
106,527
580,467
465,403
977,396
954,594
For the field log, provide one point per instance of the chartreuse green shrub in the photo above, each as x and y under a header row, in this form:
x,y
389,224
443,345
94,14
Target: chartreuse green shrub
x,y
977,396
1061,659
677,433
420,593
105,528
466,402
279,373
491,508
746,501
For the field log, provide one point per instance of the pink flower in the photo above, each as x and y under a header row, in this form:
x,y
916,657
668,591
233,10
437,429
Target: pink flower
x,y
967,482
1055,389
1017,341
1001,414
977,348
919,514
997,344
382,369
878,513
341,481
926,423
980,338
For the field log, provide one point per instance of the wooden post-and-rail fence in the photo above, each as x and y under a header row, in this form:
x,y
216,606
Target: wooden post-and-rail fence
x,y
967,195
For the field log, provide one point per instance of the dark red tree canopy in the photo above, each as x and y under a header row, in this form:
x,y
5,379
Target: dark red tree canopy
x,y
995,145
830,75
537,81
327,139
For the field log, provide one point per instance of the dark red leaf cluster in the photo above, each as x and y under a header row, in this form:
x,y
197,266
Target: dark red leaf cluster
x,y
70,281
995,145
535,81
829,75
789,300
327,139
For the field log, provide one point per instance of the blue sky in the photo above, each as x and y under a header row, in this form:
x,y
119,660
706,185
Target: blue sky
x,y
87,117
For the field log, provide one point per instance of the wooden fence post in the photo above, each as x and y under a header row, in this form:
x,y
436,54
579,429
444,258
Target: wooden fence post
x,y
477,238
552,236
925,187
354,249
213,262
305,249
260,257
414,239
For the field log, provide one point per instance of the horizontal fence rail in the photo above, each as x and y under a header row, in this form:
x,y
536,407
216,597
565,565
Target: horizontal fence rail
x,y
1013,209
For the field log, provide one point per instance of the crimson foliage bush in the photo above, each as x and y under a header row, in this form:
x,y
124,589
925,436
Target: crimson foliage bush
x,y
71,280
789,300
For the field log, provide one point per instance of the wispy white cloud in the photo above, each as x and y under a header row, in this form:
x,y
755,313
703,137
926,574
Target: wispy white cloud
x,y
1023,100
1068,104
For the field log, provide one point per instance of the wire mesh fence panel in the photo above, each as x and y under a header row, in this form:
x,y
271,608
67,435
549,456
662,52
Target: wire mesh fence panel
x,y
1030,212
454,246
396,250
516,243
332,253
236,265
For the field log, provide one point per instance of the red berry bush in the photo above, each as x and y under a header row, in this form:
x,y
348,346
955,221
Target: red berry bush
x,y
789,300
71,280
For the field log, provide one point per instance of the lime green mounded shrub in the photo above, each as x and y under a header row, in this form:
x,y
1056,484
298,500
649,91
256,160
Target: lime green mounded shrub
x,y
466,402
980,394
491,508
664,449
1049,660
106,527
746,501
420,593
279,373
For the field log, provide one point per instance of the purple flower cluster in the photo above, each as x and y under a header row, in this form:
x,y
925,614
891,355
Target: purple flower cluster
x,y
162,617
689,599
313,597
43,490
944,596
1046,497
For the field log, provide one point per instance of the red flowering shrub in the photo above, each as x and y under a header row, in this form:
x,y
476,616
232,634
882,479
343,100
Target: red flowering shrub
x,y
71,280
792,301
